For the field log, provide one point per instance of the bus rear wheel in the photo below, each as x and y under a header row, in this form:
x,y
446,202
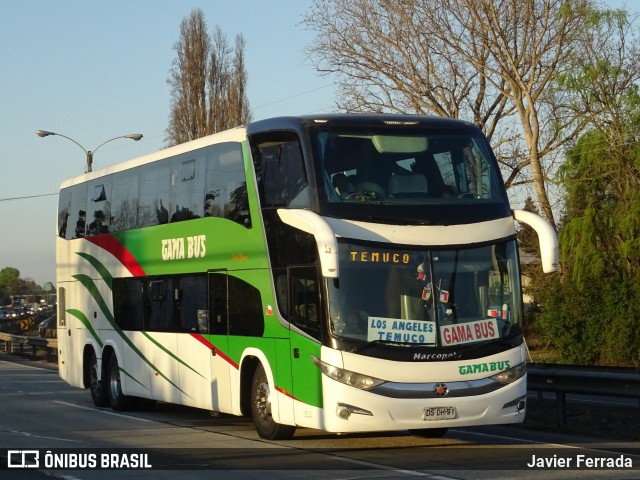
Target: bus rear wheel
x,y
97,383
266,427
117,400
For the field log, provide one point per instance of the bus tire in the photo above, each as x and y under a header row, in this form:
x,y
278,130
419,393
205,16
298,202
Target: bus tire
x,y
97,383
118,401
266,427
429,432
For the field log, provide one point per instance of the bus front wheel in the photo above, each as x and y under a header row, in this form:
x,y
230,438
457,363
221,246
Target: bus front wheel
x,y
266,427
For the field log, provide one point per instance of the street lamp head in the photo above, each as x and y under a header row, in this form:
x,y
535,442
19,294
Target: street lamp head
x,y
132,136
44,133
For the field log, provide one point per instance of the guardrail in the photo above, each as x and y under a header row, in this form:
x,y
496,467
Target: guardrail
x,y
542,377
12,341
584,380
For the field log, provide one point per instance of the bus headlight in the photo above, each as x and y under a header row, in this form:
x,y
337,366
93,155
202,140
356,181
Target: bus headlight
x,y
511,375
353,379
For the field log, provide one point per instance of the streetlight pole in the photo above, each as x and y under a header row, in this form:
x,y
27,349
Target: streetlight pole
x,y
133,136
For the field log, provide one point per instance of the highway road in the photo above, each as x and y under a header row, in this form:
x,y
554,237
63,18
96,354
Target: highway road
x,y
45,421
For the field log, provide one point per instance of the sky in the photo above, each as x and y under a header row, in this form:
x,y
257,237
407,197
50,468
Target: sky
x,y
96,70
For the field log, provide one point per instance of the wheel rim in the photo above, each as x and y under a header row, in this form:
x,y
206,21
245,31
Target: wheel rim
x,y
114,381
93,380
262,401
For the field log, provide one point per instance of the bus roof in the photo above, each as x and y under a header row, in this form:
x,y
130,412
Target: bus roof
x,y
353,120
237,134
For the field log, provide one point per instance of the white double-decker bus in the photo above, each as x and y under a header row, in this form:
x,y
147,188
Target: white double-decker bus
x,y
340,272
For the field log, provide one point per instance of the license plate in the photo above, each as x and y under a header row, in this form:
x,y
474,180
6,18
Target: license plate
x,y
439,413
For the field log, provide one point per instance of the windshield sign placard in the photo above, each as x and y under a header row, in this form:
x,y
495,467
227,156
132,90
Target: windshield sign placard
x,y
458,333
401,331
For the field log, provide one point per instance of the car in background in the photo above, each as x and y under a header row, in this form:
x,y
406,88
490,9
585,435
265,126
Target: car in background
x,y
4,314
47,328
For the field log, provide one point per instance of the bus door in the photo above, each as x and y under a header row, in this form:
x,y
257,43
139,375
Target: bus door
x,y
194,350
219,341
304,314
162,342
67,364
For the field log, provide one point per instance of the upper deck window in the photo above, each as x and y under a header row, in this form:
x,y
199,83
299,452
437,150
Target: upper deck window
x,y
407,168
424,172
280,170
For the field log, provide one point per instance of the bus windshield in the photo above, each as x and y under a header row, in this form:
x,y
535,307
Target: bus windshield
x,y
412,166
437,297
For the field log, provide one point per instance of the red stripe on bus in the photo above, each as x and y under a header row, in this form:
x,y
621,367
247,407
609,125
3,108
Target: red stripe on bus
x,y
286,392
115,248
212,347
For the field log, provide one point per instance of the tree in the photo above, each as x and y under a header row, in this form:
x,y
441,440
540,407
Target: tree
x,y
591,313
492,62
12,285
8,277
603,77
208,82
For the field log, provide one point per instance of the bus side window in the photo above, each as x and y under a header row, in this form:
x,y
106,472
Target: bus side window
x,y
226,185
305,299
281,171
128,303
64,207
76,221
192,303
160,306
235,306
153,202
218,303
124,206
99,206
187,186
245,309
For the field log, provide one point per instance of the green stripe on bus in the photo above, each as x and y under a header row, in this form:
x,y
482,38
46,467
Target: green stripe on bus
x,y
88,283
85,321
100,268
171,354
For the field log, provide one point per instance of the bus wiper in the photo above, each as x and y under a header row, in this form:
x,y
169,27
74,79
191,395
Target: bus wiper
x,y
360,348
502,341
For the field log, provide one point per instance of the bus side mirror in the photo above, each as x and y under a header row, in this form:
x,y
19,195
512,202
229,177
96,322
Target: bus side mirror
x,y
312,223
546,238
